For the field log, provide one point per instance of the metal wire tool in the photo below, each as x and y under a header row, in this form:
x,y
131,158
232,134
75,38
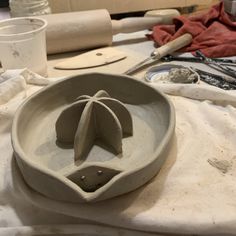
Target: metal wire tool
x,y
217,65
220,64
199,59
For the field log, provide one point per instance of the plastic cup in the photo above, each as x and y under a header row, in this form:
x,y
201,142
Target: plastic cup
x,y
29,7
23,44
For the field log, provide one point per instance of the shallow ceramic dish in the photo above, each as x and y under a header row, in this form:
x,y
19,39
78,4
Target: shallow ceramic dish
x,y
159,74
44,162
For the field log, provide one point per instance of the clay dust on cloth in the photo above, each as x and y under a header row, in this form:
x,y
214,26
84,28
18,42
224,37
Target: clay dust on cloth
x,y
194,193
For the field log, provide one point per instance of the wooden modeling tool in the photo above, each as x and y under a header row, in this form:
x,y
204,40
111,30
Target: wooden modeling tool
x,y
162,51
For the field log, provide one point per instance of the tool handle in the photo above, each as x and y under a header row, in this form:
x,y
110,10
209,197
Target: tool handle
x,y
173,46
133,24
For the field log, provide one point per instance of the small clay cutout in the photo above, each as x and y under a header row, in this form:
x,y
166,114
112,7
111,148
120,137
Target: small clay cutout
x,y
93,177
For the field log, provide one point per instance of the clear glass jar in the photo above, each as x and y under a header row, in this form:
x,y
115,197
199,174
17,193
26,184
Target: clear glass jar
x,y
29,7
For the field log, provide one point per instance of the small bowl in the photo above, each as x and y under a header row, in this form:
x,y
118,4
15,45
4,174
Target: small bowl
x,y
158,74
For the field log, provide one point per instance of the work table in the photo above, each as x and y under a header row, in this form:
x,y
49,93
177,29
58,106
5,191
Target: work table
x,y
194,193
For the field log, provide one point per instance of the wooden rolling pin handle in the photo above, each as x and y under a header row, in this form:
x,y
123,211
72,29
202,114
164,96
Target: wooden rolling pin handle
x,y
133,24
173,46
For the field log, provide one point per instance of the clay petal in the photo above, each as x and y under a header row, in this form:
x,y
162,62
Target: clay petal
x,y
122,114
67,122
108,127
86,133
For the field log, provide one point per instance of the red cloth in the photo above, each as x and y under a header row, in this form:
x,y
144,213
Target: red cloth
x,y
214,33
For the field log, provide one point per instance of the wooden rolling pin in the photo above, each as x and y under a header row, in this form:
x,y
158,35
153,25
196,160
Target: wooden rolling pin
x,y
90,29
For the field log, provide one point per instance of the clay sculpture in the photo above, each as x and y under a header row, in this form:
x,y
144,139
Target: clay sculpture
x,y
92,137
91,118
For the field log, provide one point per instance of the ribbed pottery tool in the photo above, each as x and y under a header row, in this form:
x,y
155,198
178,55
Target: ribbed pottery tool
x,y
162,51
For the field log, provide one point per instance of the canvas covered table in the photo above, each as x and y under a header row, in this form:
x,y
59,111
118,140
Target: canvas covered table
x,y
194,193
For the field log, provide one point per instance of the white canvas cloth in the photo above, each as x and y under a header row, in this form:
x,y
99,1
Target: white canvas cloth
x,y
194,193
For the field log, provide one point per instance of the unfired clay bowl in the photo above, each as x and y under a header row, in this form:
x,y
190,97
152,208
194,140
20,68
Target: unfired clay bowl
x,y
45,163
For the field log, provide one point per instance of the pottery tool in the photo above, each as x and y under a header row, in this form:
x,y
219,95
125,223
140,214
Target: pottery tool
x,y
74,31
162,51
223,82
220,64
97,57
217,65
197,59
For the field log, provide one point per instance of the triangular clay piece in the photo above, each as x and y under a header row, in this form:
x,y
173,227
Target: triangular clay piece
x,y
94,118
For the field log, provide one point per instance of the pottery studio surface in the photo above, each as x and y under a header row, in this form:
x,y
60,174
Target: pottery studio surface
x,y
122,152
